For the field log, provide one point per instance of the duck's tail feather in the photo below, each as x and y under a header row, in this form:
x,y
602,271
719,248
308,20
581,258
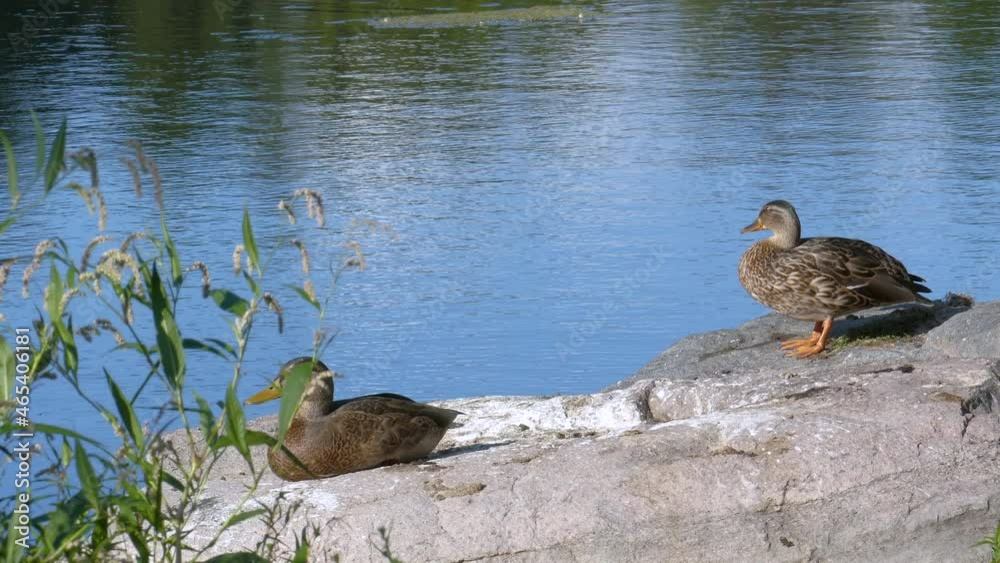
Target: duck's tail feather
x,y
917,287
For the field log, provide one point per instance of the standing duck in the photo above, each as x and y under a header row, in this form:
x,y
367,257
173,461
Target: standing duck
x,y
334,437
819,279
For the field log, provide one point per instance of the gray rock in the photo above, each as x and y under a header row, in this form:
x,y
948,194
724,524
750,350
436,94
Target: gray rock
x,y
900,330
973,334
887,453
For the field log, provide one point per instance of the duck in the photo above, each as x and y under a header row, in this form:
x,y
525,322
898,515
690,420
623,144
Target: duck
x,y
819,279
330,438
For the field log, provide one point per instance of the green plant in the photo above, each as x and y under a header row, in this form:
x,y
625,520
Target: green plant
x,y
993,541
134,499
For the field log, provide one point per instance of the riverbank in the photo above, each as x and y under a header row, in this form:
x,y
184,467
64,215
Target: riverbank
x,y
885,448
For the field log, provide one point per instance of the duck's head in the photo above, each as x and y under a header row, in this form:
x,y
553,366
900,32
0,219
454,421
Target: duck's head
x,y
318,392
779,217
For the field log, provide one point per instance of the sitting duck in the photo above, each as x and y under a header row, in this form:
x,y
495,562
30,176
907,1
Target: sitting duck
x,y
332,437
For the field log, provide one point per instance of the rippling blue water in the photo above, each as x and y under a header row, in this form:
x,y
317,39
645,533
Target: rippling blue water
x,y
566,196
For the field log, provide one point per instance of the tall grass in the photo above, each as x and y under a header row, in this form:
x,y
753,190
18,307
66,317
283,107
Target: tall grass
x,y
133,499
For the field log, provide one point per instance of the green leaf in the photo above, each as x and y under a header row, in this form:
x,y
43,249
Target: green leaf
x,y
301,553
251,284
176,271
243,516
13,552
229,301
138,499
205,416
39,143
305,296
133,346
8,148
54,307
141,544
292,389
148,499
71,358
169,479
66,455
168,336
194,344
7,371
56,157
223,346
42,358
89,484
249,243
253,438
126,413
236,423
258,438
6,223
221,443
55,294
62,527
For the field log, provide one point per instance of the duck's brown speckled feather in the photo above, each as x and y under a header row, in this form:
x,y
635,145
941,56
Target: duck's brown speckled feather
x,y
360,434
826,277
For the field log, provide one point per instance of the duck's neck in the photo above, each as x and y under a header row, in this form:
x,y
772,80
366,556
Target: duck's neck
x,y
786,239
317,401
314,407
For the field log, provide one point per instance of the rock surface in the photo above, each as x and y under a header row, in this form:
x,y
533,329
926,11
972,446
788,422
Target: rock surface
x,y
721,449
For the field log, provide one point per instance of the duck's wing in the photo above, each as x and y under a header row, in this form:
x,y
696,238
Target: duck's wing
x,y
344,402
356,439
405,437
390,403
848,270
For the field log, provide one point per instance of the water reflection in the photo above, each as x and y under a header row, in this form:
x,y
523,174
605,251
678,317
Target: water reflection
x,y
531,170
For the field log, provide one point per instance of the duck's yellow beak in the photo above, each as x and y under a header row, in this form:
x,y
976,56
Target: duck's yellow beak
x,y
269,394
755,226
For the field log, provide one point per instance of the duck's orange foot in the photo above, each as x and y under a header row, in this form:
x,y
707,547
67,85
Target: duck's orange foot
x,y
817,333
806,351
799,342
805,348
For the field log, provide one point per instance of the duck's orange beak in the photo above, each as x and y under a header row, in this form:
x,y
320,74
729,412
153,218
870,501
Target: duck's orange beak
x,y
755,226
269,394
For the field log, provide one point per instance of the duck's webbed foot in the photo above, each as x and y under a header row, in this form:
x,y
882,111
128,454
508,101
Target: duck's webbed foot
x,y
802,342
805,348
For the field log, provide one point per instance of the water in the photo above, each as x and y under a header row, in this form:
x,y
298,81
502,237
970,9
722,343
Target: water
x,y
566,195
